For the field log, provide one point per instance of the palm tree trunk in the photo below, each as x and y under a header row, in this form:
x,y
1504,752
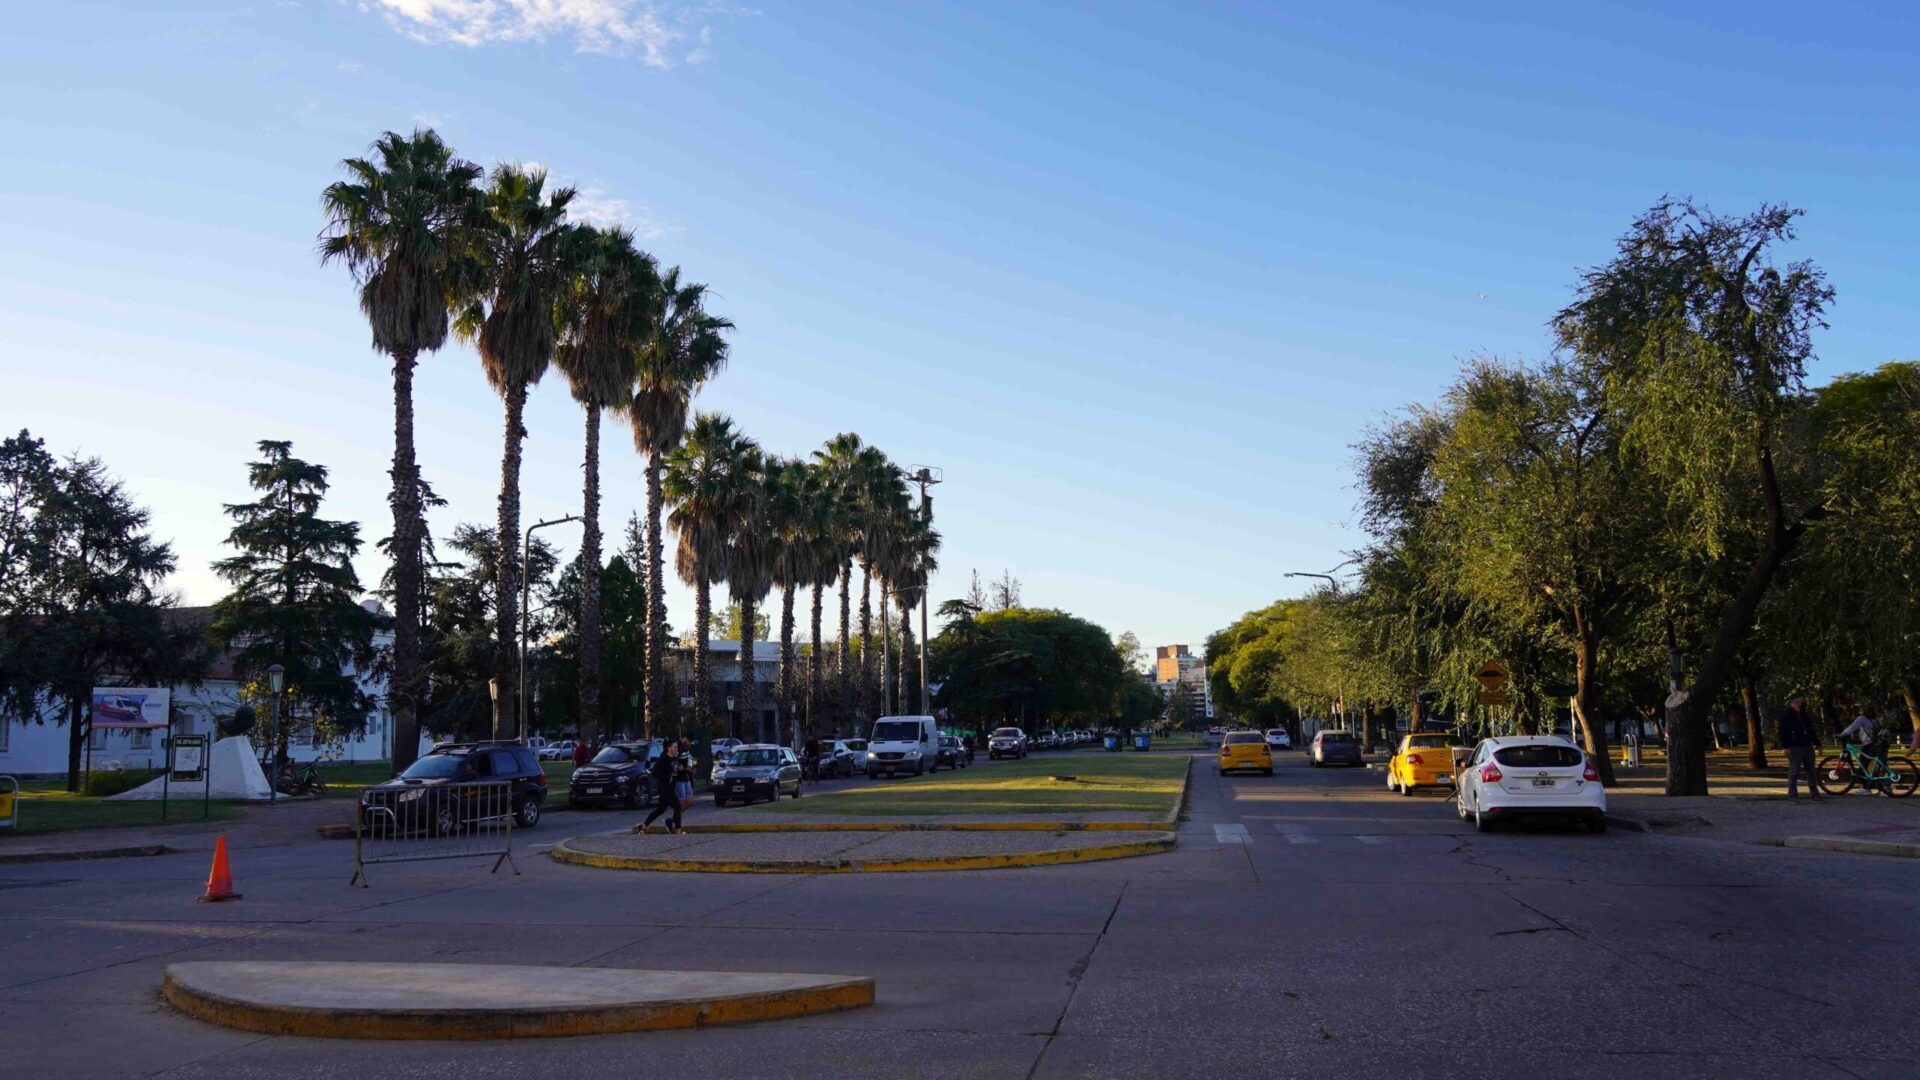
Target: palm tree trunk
x,y
784,698
816,668
749,686
846,642
403,685
589,722
653,680
863,697
507,591
886,656
702,676
906,660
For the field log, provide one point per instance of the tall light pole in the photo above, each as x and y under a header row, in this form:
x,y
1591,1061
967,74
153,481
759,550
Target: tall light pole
x,y
926,477
526,583
1327,577
276,681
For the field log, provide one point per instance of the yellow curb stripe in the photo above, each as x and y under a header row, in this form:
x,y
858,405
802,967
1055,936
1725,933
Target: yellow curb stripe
x,y
564,853
527,1023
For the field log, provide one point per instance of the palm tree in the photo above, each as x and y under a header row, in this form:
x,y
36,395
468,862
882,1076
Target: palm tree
x,y
850,466
682,346
513,321
604,310
915,563
824,544
403,223
749,564
889,505
789,522
702,479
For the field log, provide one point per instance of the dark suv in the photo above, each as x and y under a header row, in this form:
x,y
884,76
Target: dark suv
x,y
427,795
618,773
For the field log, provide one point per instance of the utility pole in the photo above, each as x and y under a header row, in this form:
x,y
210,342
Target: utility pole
x,y
526,582
926,477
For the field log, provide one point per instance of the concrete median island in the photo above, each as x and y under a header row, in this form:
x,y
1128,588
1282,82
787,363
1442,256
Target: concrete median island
x,y
487,1001
843,851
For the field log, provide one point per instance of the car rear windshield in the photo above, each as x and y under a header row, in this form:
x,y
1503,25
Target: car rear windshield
x,y
1429,741
1239,738
1539,757
1335,737
754,757
1275,731
1006,733
434,767
896,731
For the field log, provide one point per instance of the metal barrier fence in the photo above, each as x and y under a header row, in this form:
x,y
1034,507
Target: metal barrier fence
x,y
466,820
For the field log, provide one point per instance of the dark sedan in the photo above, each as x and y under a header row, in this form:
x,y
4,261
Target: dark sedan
x,y
1336,748
617,774
756,771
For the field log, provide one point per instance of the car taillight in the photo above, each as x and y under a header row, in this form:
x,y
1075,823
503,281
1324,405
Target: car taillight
x,y
1490,773
542,774
1413,759
1591,773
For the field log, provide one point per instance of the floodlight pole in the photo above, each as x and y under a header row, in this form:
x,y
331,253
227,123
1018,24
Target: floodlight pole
x,y
926,477
526,582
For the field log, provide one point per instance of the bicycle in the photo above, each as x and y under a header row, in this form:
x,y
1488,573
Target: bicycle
x,y
1895,777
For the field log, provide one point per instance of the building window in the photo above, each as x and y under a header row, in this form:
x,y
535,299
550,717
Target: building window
x,y
140,739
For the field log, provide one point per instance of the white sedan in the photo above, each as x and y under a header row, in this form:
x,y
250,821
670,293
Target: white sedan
x,y
1530,776
1278,739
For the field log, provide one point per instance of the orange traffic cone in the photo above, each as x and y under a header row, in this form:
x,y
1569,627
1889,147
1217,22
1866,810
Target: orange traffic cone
x,y
220,880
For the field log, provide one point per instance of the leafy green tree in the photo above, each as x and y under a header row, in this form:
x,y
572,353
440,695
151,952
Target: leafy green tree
x,y
706,480
610,293
1023,665
1702,340
295,598
404,222
463,611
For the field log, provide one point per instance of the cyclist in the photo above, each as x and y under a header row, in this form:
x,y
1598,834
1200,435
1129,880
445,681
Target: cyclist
x,y
1871,733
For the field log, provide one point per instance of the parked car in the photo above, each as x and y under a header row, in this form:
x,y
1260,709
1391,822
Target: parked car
x,y
753,771
953,753
898,744
1421,761
836,759
1278,739
1336,748
429,795
1006,742
720,748
1245,750
859,748
559,750
618,773
1530,776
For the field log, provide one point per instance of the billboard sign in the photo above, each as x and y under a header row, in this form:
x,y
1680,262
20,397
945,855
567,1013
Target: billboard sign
x,y
130,706
189,757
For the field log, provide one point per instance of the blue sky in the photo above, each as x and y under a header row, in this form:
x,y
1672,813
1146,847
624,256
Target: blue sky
x,y
1135,276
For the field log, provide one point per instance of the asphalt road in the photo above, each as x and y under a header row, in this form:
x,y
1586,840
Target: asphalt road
x,y
1311,925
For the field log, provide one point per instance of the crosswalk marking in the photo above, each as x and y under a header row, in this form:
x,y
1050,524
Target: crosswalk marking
x,y
1230,834
1371,839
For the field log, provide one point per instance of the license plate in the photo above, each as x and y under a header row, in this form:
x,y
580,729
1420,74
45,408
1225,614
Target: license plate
x,y
739,786
595,790
1543,783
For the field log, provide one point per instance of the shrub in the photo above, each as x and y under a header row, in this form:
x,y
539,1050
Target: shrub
x,y
104,782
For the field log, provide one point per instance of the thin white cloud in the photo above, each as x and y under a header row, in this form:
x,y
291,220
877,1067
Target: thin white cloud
x,y
662,34
596,207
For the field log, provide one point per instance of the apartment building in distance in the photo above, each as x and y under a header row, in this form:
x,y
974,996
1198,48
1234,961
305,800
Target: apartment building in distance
x,y
1175,664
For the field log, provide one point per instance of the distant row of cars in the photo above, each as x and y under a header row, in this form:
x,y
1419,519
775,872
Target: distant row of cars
x,y
1013,742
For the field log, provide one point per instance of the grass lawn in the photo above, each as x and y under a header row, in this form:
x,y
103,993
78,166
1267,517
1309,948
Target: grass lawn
x,y
46,808
1139,782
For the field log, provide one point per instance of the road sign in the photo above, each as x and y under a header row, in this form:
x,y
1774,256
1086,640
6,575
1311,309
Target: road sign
x,y
1493,697
1493,675
189,753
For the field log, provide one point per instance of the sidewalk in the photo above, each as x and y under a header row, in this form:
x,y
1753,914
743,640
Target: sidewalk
x,y
260,825
1751,806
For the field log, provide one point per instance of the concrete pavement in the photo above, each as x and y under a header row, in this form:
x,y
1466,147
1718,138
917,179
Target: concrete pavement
x,y
1309,925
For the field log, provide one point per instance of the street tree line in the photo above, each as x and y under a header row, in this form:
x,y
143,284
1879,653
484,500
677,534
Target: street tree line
x,y
1662,520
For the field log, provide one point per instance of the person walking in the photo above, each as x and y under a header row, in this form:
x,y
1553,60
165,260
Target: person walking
x,y
581,753
1796,738
665,796
682,784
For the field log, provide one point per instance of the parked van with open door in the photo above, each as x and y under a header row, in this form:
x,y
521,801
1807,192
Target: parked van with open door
x,y
903,744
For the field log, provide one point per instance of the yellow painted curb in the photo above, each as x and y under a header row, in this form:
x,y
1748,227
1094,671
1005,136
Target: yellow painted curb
x,y
562,852
527,1023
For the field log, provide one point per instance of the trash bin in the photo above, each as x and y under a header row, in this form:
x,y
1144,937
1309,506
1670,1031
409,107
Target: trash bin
x,y
1111,742
1142,740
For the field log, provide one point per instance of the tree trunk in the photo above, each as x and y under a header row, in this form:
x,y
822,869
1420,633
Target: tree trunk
x,y
589,720
863,693
506,603
1366,726
1586,659
653,680
1688,713
1911,695
1756,729
403,684
886,657
786,694
816,668
906,698
749,686
702,676
845,670
78,729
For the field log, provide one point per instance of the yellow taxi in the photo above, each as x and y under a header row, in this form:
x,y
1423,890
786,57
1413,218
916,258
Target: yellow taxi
x,y
1421,761
1245,750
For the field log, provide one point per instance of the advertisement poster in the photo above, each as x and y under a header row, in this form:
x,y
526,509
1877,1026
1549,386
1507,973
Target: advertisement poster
x,y
189,756
130,706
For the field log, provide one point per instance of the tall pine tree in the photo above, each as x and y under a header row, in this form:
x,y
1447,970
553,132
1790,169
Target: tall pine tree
x,y
296,598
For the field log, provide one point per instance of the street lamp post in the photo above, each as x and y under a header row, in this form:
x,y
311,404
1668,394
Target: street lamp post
x,y
493,695
526,581
276,681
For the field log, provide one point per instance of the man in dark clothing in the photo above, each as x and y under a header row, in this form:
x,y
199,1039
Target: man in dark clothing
x,y
1796,738
664,797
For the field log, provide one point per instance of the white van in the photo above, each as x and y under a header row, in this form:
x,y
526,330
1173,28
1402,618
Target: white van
x,y
903,744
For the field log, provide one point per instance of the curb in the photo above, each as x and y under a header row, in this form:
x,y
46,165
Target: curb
x,y
563,852
1854,847
519,1023
94,853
